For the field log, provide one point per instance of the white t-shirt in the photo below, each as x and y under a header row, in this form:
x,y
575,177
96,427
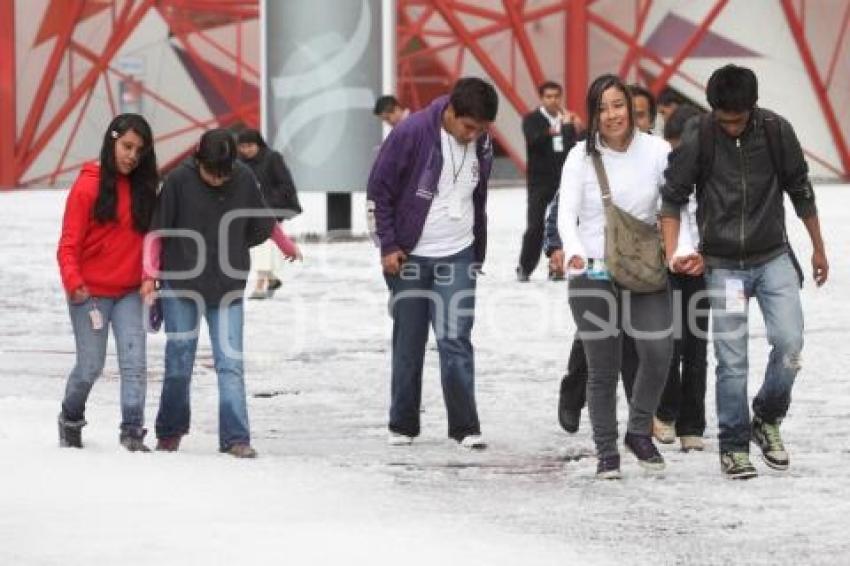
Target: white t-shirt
x,y
635,177
448,227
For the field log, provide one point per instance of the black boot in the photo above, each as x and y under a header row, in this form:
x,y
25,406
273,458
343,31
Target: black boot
x,y
570,403
70,432
133,439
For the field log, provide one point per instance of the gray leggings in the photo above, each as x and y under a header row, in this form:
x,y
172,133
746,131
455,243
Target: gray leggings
x,y
602,312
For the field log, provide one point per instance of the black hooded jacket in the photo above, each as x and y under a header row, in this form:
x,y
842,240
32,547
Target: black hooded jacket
x,y
228,221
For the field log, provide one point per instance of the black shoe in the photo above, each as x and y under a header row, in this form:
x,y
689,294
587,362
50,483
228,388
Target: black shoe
x,y
568,416
70,432
644,449
608,468
274,284
737,466
521,275
133,439
767,437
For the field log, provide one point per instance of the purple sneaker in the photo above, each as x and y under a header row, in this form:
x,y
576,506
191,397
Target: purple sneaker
x,y
608,468
644,449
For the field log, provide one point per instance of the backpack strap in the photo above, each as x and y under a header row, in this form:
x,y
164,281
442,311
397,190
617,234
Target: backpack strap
x,y
773,137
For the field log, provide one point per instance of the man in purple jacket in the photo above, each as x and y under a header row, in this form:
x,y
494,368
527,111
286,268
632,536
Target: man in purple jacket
x,y
427,195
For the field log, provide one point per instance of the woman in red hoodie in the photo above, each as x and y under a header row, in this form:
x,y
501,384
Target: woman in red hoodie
x,y
107,214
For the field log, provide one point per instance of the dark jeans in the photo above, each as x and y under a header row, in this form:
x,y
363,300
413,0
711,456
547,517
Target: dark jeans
x,y
182,317
683,400
439,292
539,197
603,312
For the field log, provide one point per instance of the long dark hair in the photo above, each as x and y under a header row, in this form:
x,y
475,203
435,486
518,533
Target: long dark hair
x,y
594,98
143,179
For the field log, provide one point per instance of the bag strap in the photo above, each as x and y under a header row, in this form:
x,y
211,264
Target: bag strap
x,y
602,177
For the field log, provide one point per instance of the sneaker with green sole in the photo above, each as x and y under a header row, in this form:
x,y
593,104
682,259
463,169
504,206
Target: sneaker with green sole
x,y
767,437
737,465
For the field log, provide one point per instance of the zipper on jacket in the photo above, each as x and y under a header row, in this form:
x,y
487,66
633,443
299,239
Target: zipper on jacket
x,y
743,200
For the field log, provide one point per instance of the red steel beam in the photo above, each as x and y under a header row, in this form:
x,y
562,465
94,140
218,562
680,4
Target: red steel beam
x,y
110,97
624,37
483,58
477,11
817,83
414,29
525,47
223,50
845,23
695,39
181,31
71,136
48,79
125,27
8,94
577,57
85,52
205,125
490,29
632,57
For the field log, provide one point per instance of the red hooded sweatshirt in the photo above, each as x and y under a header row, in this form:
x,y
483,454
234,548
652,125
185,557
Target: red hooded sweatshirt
x,y
106,258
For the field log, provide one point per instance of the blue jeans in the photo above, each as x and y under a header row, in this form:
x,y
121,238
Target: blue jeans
x,y
124,314
439,292
775,286
181,316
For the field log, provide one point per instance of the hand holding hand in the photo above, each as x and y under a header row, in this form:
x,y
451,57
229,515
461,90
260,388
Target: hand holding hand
x,y
692,264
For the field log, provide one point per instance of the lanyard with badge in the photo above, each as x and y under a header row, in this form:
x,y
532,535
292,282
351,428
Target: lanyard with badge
x,y
455,196
557,139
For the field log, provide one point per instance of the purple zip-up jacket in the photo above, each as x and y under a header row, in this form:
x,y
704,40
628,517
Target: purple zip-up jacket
x,y
404,180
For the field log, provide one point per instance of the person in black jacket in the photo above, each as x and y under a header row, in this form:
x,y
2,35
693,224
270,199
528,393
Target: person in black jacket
x,y
742,159
550,132
279,191
210,213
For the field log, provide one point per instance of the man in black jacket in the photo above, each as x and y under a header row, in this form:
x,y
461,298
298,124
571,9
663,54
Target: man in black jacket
x,y
740,159
550,132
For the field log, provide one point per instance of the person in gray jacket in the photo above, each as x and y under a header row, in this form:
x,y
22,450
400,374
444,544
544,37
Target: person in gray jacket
x,y
741,158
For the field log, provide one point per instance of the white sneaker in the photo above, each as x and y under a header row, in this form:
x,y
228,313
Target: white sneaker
x,y
398,439
664,432
692,443
473,442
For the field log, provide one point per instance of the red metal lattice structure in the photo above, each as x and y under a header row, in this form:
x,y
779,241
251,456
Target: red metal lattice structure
x,y
440,40
516,43
52,111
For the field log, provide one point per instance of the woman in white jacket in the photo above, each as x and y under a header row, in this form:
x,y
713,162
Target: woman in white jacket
x,y
602,309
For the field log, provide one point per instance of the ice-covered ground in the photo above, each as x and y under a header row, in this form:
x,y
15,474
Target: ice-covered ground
x,y
327,489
